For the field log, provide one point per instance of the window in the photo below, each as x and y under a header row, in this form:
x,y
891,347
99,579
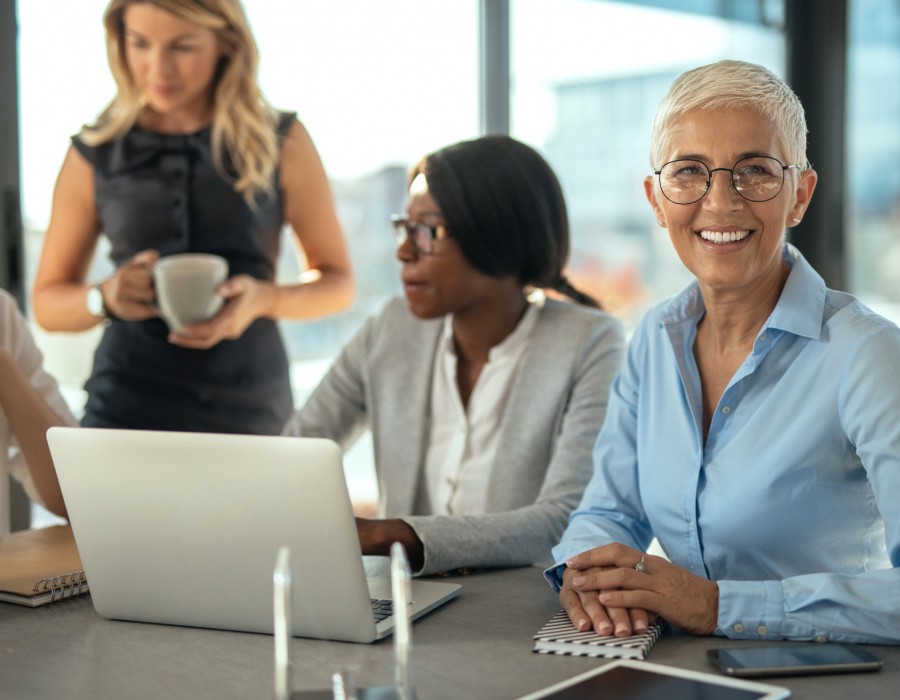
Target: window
x,y
587,77
873,155
374,96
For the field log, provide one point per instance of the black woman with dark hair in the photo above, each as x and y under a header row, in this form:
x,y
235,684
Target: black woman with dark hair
x,y
484,396
506,209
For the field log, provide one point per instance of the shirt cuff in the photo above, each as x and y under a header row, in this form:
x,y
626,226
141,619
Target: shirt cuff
x,y
751,609
423,539
554,575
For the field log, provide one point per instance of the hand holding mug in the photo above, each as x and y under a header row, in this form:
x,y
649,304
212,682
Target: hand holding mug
x,y
247,300
129,293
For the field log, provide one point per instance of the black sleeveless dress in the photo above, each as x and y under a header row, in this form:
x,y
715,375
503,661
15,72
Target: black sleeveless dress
x,y
163,191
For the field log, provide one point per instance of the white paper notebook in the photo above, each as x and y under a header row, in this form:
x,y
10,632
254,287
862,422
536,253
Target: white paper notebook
x,y
559,636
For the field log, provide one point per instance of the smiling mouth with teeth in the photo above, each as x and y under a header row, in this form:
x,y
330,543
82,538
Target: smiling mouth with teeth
x,y
726,237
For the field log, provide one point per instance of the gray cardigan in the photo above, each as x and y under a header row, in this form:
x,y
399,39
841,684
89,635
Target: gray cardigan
x,y
382,380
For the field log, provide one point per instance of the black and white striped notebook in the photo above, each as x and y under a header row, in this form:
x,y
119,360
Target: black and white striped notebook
x,y
559,636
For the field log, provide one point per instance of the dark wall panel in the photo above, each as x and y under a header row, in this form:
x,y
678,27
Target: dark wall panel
x,y
494,61
817,67
11,271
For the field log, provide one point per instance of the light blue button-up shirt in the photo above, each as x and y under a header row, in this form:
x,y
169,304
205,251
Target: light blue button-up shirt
x,y
793,504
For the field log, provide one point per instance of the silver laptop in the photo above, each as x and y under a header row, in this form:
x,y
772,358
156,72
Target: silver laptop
x,y
183,529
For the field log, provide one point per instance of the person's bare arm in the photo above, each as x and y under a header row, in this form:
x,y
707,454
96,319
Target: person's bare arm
x,y
60,292
59,297
30,417
328,286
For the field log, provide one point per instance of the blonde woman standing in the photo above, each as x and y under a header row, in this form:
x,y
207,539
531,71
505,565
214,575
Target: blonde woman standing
x,y
188,157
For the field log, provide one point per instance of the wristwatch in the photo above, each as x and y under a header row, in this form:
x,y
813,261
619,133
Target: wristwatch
x,y
95,302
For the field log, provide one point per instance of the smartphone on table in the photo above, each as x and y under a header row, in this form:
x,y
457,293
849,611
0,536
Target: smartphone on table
x,y
793,660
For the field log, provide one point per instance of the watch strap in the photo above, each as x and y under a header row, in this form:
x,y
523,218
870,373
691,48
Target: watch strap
x,y
95,303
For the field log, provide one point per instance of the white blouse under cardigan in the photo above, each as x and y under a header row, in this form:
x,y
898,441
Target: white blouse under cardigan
x,y
463,441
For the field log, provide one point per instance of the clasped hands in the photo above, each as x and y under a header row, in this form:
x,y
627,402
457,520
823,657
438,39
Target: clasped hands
x,y
129,295
602,589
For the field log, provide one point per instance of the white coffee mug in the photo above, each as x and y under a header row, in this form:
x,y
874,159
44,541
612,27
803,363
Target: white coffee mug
x,y
186,287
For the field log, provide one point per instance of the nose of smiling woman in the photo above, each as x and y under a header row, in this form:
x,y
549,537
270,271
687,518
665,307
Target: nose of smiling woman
x,y
722,197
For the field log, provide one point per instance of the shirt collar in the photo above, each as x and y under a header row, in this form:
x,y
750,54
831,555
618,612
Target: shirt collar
x,y
687,305
512,343
800,308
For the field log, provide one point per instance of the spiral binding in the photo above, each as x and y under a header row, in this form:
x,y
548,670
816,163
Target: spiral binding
x,y
65,585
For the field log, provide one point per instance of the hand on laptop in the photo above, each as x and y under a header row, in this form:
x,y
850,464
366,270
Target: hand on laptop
x,y
377,536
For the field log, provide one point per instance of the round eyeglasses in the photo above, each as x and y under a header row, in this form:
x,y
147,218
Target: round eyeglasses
x,y
422,235
756,179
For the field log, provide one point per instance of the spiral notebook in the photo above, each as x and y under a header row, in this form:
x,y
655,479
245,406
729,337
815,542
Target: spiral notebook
x,y
559,636
38,567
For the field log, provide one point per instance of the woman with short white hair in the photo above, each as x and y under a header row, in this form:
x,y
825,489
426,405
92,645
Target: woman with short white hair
x,y
755,428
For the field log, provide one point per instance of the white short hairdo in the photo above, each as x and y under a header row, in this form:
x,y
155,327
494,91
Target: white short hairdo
x,y
733,85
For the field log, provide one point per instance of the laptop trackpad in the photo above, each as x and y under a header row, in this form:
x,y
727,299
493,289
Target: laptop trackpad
x,y
426,595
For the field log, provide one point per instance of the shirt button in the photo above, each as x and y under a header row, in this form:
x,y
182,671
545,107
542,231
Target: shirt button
x,y
762,629
738,628
726,409
762,336
821,639
448,481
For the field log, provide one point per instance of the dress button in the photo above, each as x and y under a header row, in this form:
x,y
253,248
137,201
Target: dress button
x,y
821,639
762,629
738,628
726,409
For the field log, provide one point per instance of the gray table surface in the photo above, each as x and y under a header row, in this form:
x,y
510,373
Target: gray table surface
x,y
476,646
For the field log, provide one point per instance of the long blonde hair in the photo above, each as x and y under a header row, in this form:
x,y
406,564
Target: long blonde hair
x,y
243,123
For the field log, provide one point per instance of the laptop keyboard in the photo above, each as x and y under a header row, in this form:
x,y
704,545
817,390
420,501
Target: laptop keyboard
x,y
382,609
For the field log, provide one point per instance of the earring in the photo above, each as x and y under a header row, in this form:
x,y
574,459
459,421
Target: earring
x,y
796,221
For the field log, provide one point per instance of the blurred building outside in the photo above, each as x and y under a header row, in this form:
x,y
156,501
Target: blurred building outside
x,y
873,155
